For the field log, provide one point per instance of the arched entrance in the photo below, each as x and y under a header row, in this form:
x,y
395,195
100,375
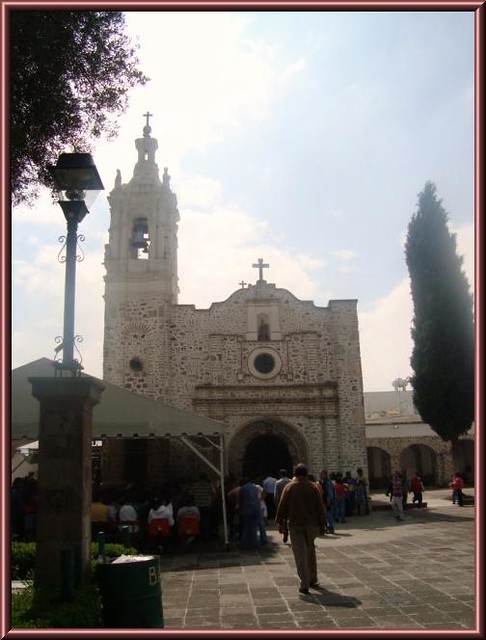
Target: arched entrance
x,y
420,458
265,446
378,467
265,455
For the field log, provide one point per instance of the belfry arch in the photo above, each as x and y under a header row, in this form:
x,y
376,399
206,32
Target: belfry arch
x,y
265,446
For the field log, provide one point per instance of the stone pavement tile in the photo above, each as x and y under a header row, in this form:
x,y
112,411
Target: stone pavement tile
x,y
380,612
345,581
454,603
173,623
230,588
273,608
430,617
242,596
355,623
173,613
360,592
283,620
264,593
238,621
323,624
438,625
375,603
196,622
396,622
276,625
237,611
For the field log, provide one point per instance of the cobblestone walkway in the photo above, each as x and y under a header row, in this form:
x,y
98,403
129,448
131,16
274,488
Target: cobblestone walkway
x,y
376,573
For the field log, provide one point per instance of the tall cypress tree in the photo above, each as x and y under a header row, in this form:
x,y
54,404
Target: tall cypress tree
x,y
443,326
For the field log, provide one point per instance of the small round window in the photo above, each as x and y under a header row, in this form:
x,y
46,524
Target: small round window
x,y
264,363
136,364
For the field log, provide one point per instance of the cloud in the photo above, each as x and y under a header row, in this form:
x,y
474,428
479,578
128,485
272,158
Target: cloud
x,y
295,67
465,248
386,343
211,270
344,254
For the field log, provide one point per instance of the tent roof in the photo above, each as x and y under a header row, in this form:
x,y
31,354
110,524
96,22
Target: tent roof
x,y
120,412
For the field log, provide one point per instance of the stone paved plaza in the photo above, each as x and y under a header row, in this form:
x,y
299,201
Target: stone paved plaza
x,y
375,573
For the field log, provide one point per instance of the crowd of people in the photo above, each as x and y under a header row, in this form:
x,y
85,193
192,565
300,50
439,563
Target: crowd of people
x,y
251,503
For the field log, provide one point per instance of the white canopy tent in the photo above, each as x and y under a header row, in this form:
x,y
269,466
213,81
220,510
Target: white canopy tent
x,y
120,413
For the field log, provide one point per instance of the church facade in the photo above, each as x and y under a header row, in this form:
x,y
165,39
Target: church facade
x,y
283,374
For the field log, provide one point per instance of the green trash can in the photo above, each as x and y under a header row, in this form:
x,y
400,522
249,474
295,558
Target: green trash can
x,y
131,596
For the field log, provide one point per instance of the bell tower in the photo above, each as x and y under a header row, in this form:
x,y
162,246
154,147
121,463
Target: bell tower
x,y
141,281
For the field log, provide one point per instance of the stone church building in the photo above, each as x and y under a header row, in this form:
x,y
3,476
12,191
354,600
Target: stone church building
x,y
282,374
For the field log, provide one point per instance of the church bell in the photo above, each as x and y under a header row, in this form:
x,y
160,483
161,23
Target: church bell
x,y
140,236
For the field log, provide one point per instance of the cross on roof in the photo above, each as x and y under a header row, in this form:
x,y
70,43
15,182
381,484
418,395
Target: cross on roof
x,y
242,284
260,266
148,115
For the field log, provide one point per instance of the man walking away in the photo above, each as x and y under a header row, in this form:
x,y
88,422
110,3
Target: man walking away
x,y
328,497
301,504
282,481
269,488
397,495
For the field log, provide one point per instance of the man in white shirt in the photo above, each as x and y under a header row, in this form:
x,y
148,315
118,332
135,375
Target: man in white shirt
x,y
269,488
127,516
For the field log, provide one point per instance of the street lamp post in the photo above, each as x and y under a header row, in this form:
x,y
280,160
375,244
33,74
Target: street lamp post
x,y
66,403
78,183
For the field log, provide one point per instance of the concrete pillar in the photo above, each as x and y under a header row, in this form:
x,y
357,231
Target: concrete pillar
x,y
64,475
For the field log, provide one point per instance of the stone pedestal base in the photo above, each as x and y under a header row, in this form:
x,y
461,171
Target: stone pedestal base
x,y
64,476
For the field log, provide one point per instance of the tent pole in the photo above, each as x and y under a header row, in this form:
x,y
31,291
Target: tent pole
x,y
223,490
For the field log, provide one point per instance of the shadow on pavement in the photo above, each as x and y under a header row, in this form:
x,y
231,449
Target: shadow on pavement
x,y
332,599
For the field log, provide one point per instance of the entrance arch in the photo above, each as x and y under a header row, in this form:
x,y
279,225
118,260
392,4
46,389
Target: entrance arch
x,y
264,455
421,458
265,446
379,468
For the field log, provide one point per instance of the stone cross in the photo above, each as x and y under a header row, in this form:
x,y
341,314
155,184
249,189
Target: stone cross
x,y
260,266
242,284
148,115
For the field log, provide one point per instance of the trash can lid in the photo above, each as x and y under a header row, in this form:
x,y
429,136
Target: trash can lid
x,y
123,558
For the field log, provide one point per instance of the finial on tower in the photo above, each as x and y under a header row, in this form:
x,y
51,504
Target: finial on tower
x,y
147,130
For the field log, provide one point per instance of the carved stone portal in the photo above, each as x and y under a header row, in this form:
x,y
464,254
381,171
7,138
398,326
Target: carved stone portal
x,y
289,436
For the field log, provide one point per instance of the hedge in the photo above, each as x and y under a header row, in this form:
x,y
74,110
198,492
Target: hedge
x,y
39,610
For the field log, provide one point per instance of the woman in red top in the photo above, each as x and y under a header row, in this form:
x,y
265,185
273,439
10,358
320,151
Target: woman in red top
x,y
457,485
417,489
340,490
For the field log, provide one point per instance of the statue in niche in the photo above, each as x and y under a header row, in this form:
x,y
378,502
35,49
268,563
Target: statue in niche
x,y
263,330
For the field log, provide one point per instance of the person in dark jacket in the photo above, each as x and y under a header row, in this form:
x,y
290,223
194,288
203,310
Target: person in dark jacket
x,y
301,505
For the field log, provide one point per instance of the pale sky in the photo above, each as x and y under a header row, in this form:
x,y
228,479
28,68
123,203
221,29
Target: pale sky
x,y
302,138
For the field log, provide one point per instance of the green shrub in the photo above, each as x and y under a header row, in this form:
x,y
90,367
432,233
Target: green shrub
x,y
23,560
46,611
112,550
38,610
23,557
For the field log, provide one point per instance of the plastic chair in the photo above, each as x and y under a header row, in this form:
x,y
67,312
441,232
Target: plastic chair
x,y
188,526
159,528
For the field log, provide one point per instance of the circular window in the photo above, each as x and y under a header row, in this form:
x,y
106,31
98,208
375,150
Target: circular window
x,y
136,364
264,363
